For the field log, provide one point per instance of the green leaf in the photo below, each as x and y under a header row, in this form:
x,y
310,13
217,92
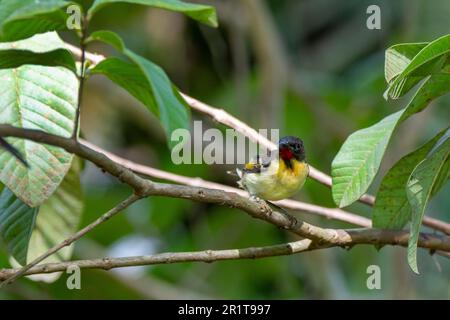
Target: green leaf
x,y
16,58
16,224
20,19
199,12
58,218
398,57
130,77
419,187
29,232
42,49
391,209
442,178
444,173
42,98
358,160
431,59
145,81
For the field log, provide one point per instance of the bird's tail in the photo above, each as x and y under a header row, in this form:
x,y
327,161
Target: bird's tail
x,y
238,174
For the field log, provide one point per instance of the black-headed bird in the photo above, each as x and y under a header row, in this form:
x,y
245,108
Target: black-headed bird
x,y
279,177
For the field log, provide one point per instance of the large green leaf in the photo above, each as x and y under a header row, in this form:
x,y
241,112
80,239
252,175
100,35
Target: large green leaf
x,y
199,12
358,160
16,224
430,59
20,19
146,81
29,232
58,217
419,187
43,98
16,58
391,209
130,77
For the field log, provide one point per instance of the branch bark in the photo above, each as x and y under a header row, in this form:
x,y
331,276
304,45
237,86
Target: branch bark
x,y
196,256
165,258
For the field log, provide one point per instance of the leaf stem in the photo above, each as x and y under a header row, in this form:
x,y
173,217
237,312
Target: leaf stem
x,y
81,77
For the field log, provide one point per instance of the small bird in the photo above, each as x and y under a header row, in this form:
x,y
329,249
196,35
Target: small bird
x,y
277,178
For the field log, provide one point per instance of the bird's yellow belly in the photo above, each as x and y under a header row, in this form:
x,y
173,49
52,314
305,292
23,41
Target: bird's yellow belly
x,y
277,183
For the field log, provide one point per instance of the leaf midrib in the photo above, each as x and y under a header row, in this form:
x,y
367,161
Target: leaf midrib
x,y
15,78
357,172
421,213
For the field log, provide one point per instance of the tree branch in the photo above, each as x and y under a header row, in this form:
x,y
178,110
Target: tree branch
x,y
258,210
165,258
196,256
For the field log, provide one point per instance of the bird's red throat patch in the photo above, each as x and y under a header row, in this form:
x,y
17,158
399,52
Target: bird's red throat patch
x,y
286,154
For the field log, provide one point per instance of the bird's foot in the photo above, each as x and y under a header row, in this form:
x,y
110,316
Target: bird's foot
x,y
255,198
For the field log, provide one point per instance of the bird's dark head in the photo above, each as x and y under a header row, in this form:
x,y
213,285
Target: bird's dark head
x,y
291,147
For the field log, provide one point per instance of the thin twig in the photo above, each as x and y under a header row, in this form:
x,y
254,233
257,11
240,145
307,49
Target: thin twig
x,y
165,258
72,239
92,57
196,256
81,76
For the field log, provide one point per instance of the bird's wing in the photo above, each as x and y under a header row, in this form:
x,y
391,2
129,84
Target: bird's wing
x,y
256,164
